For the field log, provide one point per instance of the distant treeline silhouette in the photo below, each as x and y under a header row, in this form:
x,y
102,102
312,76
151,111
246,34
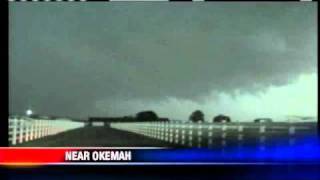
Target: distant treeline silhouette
x,y
143,116
198,116
151,116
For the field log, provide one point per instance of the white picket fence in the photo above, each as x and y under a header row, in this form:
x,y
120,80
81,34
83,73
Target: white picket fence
x,y
28,129
218,134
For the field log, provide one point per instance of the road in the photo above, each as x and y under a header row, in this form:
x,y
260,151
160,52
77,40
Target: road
x,y
95,137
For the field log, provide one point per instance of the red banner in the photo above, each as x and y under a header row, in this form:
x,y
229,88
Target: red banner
x,y
32,156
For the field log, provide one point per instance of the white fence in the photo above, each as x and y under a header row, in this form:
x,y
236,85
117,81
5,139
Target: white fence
x,y
27,129
219,134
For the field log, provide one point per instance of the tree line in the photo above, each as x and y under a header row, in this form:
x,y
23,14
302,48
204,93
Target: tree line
x,y
196,116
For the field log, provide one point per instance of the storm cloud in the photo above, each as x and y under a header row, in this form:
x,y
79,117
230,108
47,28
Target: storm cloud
x,y
81,59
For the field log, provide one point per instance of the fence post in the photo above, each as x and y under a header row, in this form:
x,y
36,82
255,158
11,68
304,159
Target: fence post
x,y
27,131
46,128
199,135
36,129
190,135
49,128
171,133
40,129
163,131
145,129
292,132
167,131
224,135
159,130
240,139
262,139
177,134
31,137
210,136
183,134
149,130
240,135
21,130
156,132
14,131
142,129
43,125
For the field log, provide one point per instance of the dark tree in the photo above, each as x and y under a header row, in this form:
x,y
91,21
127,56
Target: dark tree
x,y
263,120
222,118
147,116
197,116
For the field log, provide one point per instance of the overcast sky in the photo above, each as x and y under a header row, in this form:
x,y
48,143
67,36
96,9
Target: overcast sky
x,y
245,60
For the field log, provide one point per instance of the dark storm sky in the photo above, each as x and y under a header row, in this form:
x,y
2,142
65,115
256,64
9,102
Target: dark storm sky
x,y
81,59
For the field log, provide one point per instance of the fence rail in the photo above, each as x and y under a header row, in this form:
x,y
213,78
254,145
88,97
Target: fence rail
x,y
213,135
27,129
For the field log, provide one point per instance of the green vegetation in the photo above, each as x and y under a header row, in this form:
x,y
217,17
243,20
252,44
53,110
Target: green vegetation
x,y
197,116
